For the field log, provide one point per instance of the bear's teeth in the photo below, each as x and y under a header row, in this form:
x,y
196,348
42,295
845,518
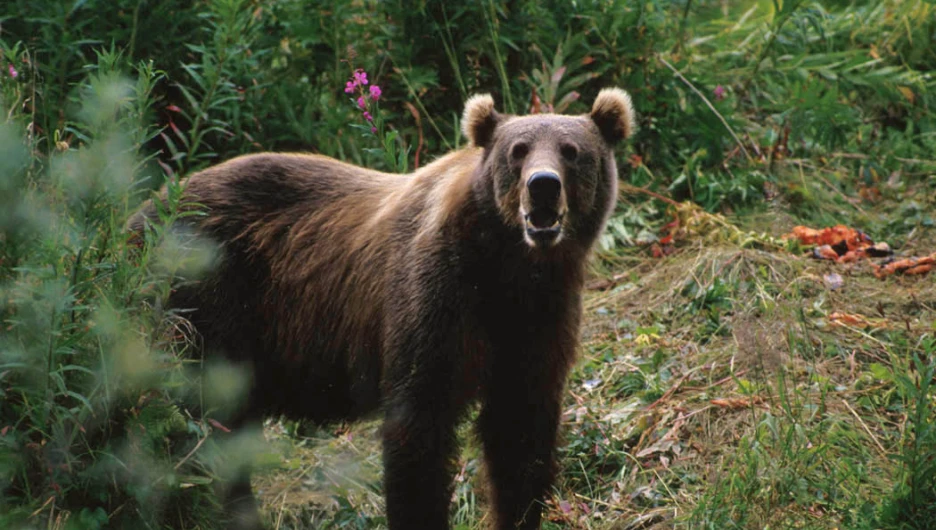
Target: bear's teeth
x,y
556,224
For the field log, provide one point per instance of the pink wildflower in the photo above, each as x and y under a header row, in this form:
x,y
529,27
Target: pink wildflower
x,y
360,77
361,103
373,130
13,72
349,87
375,92
367,116
719,92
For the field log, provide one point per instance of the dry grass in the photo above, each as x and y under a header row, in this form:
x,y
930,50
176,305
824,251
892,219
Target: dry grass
x,y
713,391
318,473
758,352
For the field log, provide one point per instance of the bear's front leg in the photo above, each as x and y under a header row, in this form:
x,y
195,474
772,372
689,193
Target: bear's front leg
x,y
425,362
518,427
419,445
421,412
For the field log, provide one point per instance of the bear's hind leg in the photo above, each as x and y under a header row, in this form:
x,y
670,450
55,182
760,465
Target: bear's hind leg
x,y
240,505
241,508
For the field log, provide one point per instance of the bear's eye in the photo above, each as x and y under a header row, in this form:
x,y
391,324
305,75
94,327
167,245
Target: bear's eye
x,y
569,152
519,151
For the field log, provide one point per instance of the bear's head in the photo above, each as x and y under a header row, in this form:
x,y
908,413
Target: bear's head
x,y
552,176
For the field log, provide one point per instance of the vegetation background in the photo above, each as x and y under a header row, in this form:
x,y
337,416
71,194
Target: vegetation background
x,y
719,385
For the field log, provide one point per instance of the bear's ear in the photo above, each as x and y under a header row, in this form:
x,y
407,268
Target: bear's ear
x,y
480,119
613,113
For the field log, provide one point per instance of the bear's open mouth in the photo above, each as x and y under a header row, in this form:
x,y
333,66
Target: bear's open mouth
x,y
543,218
543,225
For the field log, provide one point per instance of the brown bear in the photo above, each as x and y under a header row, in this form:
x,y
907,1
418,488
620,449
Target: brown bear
x,y
348,291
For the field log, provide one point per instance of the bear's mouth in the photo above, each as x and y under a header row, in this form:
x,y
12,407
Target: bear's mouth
x,y
543,225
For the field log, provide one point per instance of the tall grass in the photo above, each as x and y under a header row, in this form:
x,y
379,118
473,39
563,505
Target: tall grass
x,y
94,432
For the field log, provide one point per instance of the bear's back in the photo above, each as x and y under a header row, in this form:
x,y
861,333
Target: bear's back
x,y
253,188
308,249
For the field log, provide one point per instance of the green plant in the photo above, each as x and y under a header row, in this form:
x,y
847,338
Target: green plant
x,y
218,96
913,501
92,381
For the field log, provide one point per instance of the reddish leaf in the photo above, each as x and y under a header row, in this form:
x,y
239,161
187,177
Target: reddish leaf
x,y
217,425
535,103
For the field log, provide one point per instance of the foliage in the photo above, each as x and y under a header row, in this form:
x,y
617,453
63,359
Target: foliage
x,y
763,114
94,429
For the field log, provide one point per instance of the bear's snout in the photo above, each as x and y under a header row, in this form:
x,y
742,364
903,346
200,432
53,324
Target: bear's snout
x,y
544,208
545,188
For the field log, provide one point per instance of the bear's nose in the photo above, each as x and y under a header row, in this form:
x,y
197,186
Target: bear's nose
x,y
544,187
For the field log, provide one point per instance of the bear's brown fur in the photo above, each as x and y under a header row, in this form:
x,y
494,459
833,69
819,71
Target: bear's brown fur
x,y
346,290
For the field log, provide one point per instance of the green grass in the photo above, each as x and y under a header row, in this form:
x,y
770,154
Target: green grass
x,y
713,388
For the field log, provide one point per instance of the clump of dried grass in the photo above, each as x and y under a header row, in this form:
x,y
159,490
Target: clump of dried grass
x,y
786,359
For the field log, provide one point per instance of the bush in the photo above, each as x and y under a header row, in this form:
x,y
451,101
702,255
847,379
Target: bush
x,y
93,429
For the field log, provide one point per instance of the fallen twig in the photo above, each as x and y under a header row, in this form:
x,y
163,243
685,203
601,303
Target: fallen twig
x,y
865,426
